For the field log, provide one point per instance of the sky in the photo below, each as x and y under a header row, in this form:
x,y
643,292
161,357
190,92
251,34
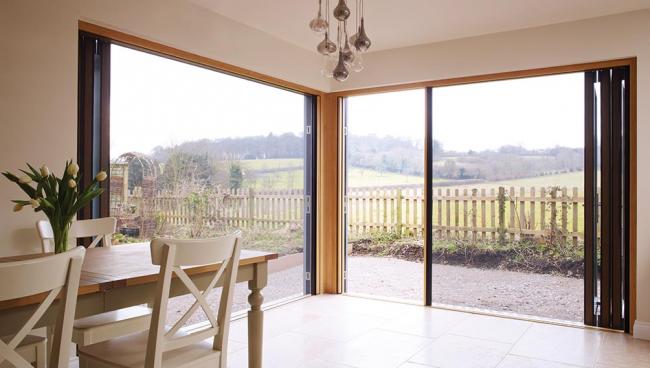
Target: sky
x,y
540,112
156,101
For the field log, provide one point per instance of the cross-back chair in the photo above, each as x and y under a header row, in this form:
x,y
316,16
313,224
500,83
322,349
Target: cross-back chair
x,y
111,324
53,275
179,345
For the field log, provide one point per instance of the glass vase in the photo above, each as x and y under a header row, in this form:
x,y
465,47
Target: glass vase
x,y
60,237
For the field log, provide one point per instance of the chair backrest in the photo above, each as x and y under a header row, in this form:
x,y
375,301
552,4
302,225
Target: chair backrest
x,y
172,255
46,234
54,274
102,229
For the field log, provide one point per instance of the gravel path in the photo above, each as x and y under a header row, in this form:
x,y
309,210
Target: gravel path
x,y
524,293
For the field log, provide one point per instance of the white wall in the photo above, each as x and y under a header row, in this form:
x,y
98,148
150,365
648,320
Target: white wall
x,y
38,76
598,39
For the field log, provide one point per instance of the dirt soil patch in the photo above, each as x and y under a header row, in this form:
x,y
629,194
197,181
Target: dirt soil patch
x,y
520,259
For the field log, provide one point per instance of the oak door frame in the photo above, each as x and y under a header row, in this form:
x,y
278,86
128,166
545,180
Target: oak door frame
x,y
333,116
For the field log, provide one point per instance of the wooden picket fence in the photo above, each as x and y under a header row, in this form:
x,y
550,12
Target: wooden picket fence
x,y
473,214
476,214
241,208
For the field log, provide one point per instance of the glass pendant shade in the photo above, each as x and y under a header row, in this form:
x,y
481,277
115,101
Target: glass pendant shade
x,y
353,38
362,43
347,54
319,24
341,73
326,46
342,12
329,64
357,64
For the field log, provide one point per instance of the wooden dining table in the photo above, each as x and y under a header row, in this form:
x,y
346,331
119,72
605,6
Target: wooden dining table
x,y
122,276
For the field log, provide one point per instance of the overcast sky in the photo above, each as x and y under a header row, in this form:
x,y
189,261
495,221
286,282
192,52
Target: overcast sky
x,y
156,101
537,112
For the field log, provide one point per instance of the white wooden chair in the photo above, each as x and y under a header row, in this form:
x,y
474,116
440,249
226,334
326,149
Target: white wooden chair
x,y
52,275
46,234
177,345
108,325
102,229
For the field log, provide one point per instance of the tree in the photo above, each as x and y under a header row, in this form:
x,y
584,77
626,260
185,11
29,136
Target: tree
x,y
236,176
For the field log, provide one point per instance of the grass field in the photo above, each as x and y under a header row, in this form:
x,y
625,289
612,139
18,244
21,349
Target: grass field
x,y
292,178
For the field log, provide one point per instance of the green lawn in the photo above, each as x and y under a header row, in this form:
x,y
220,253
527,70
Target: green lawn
x,y
358,177
270,163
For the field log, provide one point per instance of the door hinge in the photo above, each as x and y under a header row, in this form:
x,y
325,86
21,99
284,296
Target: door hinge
x,y
308,204
345,275
307,129
345,130
307,276
597,306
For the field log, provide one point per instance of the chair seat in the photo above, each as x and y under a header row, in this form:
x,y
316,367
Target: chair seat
x,y
129,352
109,325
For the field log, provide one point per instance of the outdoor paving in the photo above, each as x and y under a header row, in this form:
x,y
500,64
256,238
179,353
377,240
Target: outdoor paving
x,y
518,292
532,294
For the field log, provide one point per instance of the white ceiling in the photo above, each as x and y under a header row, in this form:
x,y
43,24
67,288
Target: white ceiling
x,y
399,23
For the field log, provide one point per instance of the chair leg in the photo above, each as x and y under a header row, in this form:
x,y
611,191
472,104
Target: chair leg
x,y
41,358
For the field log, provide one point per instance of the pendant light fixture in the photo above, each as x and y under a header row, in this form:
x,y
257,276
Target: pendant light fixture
x,y
343,56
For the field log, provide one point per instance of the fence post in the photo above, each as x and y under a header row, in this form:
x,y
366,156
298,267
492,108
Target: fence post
x,y
553,222
564,214
398,212
502,216
251,207
574,204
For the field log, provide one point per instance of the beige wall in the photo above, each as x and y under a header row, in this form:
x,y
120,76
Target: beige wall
x,y
604,38
38,106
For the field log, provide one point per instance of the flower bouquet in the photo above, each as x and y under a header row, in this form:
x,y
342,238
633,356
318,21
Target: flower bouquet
x,y
59,198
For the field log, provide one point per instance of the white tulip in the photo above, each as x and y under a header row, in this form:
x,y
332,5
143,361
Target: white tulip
x,y
18,207
45,171
25,179
72,183
101,176
35,203
72,169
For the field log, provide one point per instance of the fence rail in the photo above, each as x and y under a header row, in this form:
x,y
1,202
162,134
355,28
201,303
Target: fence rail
x,y
476,214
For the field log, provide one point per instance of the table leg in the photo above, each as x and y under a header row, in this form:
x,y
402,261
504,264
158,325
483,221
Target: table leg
x,y
256,316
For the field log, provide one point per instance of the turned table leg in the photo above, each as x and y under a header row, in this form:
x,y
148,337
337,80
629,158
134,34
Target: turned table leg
x,y
256,316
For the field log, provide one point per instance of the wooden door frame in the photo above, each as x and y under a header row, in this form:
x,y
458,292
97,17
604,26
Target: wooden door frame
x,y
326,221
331,121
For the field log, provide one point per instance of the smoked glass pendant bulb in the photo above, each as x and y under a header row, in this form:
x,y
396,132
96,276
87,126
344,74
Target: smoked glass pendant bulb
x,y
348,55
319,24
341,73
342,12
362,43
326,46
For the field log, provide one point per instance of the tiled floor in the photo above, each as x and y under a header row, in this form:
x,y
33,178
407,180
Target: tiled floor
x,y
333,331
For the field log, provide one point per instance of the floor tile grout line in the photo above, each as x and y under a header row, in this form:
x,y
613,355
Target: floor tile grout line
x,y
513,344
